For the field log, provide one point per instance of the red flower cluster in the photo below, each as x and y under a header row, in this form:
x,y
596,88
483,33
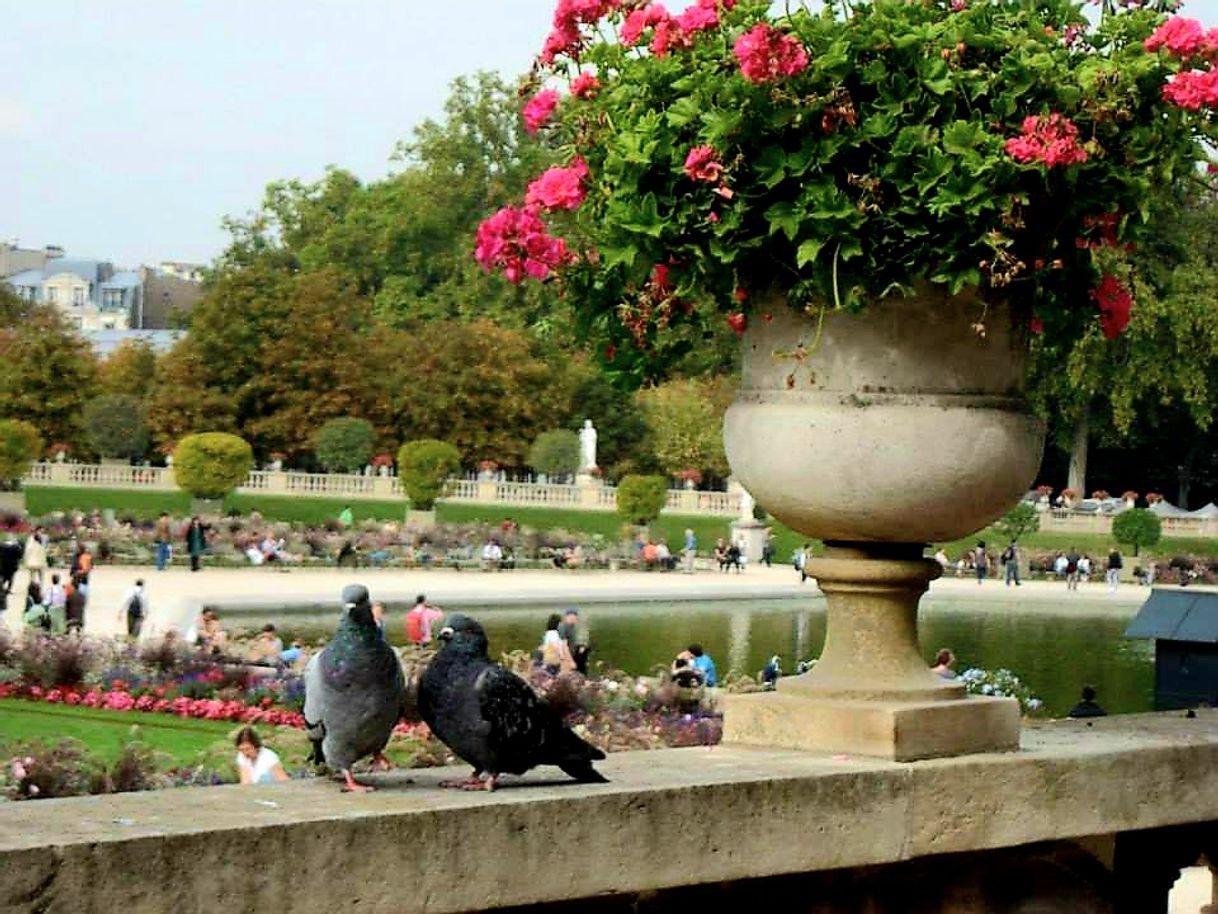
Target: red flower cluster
x,y
767,54
569,15
1115,304
1183,38
1193,90
540,108
586,85
671,31
1051,139
516,241
559,188
122,700
701,164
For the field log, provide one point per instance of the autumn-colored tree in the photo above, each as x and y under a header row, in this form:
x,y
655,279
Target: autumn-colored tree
x,y
475,385
47,374
684,421
183,402
128,370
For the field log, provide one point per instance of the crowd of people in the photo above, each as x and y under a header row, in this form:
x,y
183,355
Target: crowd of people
x,y
1071,565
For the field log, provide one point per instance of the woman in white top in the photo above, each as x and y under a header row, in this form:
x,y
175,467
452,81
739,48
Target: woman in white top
x,y
256,764
555,654
35,555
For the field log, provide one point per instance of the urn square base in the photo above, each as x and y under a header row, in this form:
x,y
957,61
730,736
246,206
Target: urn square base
x,y
900,731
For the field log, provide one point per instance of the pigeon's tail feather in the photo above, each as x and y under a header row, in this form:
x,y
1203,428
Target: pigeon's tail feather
x,y
569,749
583,772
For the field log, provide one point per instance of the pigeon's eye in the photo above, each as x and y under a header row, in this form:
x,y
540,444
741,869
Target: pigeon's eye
x,y
446,633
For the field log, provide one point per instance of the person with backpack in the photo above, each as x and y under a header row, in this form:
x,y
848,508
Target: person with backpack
x,y
1010,564
1115,564
421,620
134,609
36,614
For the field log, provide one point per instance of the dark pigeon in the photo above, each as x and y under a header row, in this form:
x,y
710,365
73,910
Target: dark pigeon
x,y
491,718
355,692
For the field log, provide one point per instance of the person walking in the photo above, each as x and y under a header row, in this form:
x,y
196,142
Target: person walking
x,y
161,538
1072,558
1010,564
74,610
555,657
1115,564
690,552
196,542
768,548
981,561
35,556
575,634
134,609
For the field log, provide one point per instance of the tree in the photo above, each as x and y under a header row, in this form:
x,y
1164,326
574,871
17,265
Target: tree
x,y
183,402
1137,527
640,499
117,426
475,385
47,374
19,447
1019,521
424,467
555,453
345,445
129,370
212,464
684,421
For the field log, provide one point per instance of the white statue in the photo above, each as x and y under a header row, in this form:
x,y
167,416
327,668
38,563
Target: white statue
x,y
746,506
587,447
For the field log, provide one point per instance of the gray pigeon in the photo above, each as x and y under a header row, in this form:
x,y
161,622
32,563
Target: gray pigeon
x,y
490,717
354,691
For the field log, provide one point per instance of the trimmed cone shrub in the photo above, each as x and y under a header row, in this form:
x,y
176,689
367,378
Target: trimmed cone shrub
x,y
212,464
424,467
345,445
640,499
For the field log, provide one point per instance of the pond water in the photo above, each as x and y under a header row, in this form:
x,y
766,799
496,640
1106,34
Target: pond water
x,y
1055,650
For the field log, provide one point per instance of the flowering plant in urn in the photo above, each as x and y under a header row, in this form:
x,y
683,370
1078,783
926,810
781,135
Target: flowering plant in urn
x,y
713,154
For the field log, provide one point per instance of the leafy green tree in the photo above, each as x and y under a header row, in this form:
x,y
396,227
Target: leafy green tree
x,y
1137,527
13,308
212,464
424,467
640,499
475,385
1018,522
117,426
129,370
555,453
684,421
183,399
47,374
345,444
19,447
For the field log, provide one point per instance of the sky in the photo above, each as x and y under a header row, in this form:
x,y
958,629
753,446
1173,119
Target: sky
x,y
130,128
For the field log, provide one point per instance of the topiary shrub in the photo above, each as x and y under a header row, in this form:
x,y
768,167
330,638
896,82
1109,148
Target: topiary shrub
x,y
640,499
555,453
212,464
117,426
20,446
345,445
424,467
1137,527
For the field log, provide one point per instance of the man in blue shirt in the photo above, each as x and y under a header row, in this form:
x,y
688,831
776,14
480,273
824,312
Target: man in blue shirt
x,y
703,662
691,550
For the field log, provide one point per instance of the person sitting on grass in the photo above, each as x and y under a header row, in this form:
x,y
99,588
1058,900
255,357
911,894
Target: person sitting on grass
x,y
1087,706
256,764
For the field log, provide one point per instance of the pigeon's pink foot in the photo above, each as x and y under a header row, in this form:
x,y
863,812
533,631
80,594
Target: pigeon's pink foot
x,y
491,783
353,786
473,782
381,763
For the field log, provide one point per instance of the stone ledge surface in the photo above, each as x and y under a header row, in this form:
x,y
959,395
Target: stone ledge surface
x,y
669,818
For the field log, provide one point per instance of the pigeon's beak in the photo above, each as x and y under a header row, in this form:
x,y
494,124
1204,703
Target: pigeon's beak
x,y
446,634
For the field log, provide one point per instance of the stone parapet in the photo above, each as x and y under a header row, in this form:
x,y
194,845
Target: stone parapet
x,y
668,819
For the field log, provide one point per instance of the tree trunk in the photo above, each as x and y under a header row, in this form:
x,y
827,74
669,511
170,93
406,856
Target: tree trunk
x,y
1077,478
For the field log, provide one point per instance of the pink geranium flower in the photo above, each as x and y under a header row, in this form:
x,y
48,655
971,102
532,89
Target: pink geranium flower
x,y
767,54
1115,304
559,188
517,242
540,109
1193,89
640,20
586,85
1182,37
702,165
1050,139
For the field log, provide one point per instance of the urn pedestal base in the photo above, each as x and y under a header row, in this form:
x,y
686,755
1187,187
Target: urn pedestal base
x,y
872,692
896,730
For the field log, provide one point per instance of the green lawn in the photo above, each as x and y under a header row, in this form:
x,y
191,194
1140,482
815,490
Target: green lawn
x,y
105,732
41,500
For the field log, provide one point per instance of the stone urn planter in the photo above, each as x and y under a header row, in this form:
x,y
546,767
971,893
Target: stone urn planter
x,y
898,427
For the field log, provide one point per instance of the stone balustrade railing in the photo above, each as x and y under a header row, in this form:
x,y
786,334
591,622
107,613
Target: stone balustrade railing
x,y
586,494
